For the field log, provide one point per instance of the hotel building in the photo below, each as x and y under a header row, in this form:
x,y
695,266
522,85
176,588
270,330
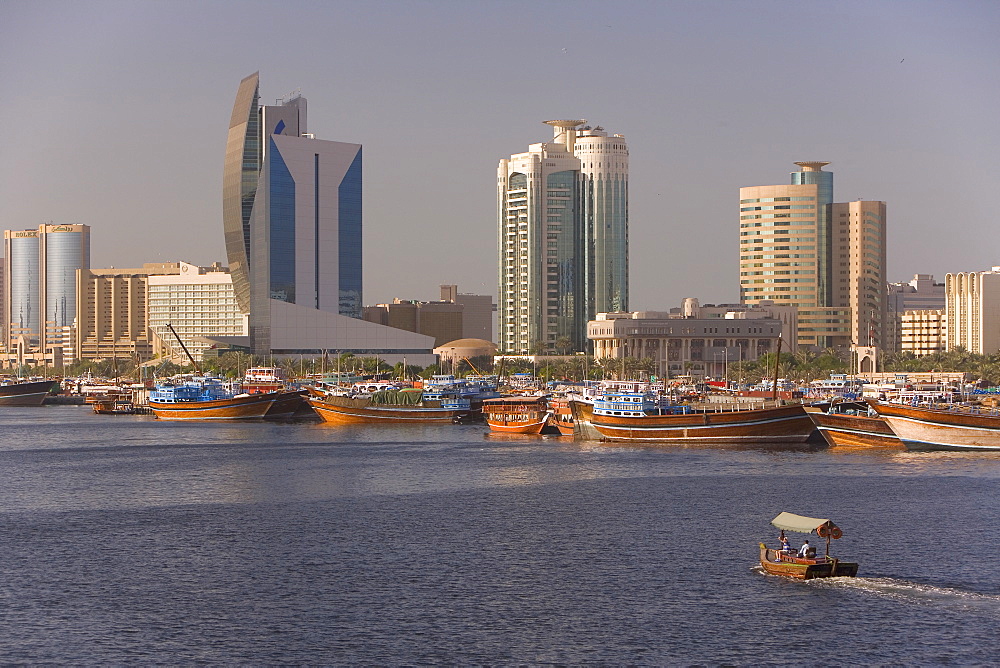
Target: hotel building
x,y
562,212
972,308
199,303
799,248
292,215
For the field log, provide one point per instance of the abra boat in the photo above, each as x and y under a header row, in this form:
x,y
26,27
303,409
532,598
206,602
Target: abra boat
x,y
642,418
786,563
954,428
25,393
851,424
516,415
207,399
405,406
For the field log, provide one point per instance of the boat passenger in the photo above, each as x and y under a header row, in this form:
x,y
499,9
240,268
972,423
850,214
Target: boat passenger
x,y
785,545
806,549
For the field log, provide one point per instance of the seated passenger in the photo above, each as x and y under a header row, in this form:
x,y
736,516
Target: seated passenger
x,y
785,545
806,549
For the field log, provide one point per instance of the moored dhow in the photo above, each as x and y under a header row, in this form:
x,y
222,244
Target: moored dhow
x,y
852,425
25,393
207,400
950,428
516,415
405,406
641,418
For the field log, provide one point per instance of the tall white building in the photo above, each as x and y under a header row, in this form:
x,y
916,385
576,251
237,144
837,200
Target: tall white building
x,y
562,211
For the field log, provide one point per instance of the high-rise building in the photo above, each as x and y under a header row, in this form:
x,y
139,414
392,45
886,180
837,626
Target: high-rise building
x,y
972,308
292,214
562,209
22,278
857,269
799,248
40,275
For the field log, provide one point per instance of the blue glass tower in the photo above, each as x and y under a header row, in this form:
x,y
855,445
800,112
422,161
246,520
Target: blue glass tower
x,y
300,243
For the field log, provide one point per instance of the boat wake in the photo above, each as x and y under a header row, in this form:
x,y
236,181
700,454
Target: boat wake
x,y
912,592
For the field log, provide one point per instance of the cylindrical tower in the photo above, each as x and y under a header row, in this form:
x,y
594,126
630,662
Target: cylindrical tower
x,y
604,184
22,278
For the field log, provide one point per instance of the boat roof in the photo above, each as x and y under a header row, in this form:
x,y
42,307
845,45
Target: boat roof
x,y
798,523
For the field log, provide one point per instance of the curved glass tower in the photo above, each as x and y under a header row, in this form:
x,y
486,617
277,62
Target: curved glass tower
x,y
291,212
239,184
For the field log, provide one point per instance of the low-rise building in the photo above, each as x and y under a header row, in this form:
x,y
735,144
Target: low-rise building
x,y
921,293
923,332
697,347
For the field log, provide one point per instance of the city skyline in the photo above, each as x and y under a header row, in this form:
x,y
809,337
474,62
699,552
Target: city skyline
x,y
711,97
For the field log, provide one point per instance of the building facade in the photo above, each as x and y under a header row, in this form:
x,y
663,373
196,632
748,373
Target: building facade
x,y
562,211
694,347
478,312
921,293
972,311
111,312
798,247
923,332
441,320
199,303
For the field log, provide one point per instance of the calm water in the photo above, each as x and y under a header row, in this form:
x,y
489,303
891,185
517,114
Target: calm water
x,y
125,539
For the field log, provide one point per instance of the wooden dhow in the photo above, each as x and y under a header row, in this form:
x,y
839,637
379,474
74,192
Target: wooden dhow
x,y
516,415
851,425
635,418
953,428
207,399
388,407
25,393
789,564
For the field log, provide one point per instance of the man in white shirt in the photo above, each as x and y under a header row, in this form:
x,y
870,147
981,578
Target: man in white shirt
x,y
804,550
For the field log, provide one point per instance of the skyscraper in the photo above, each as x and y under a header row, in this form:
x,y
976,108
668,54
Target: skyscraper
x,y
799,248
562,210
40,275
292,212
292,215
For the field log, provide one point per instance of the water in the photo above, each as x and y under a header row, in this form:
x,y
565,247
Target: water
x,y
125,539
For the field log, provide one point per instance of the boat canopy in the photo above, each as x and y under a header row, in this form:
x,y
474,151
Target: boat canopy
x,y
793,522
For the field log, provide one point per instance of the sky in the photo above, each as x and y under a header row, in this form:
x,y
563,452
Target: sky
x,y
116,113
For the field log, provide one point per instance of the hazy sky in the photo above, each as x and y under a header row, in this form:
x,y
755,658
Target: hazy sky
x,y
115,115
